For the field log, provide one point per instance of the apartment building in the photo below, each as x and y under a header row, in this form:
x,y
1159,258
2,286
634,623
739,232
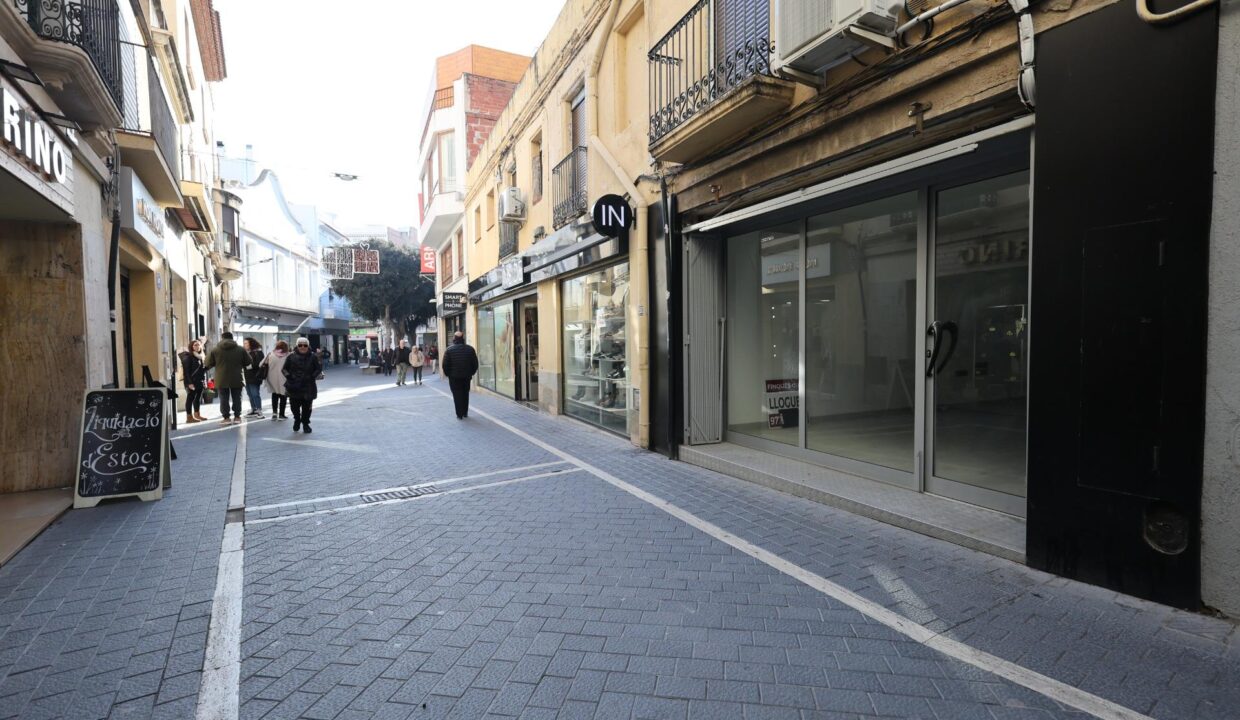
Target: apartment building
x,y
851,223
468,90
106,210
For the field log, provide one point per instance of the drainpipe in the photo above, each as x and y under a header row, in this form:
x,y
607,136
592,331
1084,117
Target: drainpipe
x,y
639,281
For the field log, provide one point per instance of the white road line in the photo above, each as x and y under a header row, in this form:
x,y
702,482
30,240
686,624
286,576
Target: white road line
x,y
236,493
447,481
346,508
220,689
1054,689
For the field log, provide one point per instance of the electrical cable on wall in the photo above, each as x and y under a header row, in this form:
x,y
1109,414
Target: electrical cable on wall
x,y
1166,18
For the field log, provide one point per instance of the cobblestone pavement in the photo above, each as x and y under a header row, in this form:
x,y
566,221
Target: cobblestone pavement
x,y
400,563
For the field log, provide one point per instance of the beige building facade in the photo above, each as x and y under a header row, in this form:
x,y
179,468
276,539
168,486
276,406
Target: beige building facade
x,y
877,260
558,310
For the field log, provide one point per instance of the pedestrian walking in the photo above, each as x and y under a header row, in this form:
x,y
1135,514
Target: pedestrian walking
x,y
388,356
275,380
302,371
194,377
460,362
417,359
402,362
229,360
255,373
432,358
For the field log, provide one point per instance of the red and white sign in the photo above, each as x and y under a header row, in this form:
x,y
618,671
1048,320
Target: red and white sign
x,y
428,260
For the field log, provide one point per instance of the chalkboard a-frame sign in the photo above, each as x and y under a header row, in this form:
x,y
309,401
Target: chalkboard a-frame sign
x,y
123,449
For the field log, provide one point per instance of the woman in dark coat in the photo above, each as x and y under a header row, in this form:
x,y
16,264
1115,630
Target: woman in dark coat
x,y
301,373
194,377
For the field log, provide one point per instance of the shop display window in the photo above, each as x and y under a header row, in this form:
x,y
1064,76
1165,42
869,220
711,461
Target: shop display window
x,y
596,371
764,272
486,347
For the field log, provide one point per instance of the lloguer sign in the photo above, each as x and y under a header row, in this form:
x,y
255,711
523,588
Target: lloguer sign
x,y
30,140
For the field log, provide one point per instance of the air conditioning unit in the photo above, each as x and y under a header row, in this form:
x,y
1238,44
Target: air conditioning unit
x,y
812,36
511,206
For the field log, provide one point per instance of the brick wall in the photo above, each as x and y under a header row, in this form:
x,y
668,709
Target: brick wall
x,y
487,98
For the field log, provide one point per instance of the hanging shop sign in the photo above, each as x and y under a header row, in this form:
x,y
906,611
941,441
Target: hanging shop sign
x,y
140,214
452,303
123,446
428,260
612,216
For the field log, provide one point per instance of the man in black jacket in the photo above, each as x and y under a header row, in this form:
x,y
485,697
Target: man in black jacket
x,y
460,362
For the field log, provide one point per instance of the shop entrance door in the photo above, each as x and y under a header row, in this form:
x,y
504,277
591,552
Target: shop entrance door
x,y
527,350
977,342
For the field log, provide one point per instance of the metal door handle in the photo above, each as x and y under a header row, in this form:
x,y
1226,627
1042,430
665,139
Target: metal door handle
x,y
950,328
932,354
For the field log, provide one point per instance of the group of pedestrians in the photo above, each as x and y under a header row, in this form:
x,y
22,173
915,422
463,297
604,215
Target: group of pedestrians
x,y
291,377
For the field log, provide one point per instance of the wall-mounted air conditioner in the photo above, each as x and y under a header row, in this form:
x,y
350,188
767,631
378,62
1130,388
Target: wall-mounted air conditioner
x,y
812,36
511,206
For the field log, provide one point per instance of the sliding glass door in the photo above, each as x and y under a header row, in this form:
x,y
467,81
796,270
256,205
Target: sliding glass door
x,y
889,338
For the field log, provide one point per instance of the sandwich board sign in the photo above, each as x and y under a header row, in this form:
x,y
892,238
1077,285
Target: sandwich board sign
x,y
123,446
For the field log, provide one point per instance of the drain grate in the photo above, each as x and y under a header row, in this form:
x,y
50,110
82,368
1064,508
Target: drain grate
x,y
401,494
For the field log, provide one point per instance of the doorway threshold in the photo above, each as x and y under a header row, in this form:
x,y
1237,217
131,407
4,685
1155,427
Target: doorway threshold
x,y
971,526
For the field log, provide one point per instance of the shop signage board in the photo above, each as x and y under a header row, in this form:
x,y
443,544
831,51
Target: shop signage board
x,y
612,216
512,272
140,214
428,260
453,303
782,402
34,151
123,446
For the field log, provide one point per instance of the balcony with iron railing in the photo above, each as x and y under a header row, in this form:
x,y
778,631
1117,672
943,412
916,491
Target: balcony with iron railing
x,y
148,133
710,83
568,188
74,40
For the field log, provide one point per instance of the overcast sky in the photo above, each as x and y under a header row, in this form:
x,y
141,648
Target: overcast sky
x,y
321,87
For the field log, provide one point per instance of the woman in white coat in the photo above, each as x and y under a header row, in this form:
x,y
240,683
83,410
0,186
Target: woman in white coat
x,y
275,380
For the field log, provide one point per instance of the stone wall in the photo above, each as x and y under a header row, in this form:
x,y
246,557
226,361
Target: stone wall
x,y
1220,501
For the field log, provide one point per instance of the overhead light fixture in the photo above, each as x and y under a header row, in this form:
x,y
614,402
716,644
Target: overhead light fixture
x,y
345,176
19,72
61,121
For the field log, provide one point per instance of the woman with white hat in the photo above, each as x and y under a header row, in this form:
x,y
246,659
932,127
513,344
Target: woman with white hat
x,y
301,372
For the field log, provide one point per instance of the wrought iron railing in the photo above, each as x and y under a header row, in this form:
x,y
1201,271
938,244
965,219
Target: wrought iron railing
x,y
568,188
508,235
138,73
691,67
93,25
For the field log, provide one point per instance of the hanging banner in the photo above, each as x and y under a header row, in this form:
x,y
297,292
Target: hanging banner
x,y
428,260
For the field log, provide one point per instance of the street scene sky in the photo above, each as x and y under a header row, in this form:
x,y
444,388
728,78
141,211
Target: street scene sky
x,y
327,87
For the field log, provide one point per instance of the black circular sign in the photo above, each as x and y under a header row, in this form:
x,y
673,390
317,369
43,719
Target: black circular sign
x,y
612,215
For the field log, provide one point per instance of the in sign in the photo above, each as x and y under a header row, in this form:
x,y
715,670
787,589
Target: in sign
x,y
612,215
428,260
